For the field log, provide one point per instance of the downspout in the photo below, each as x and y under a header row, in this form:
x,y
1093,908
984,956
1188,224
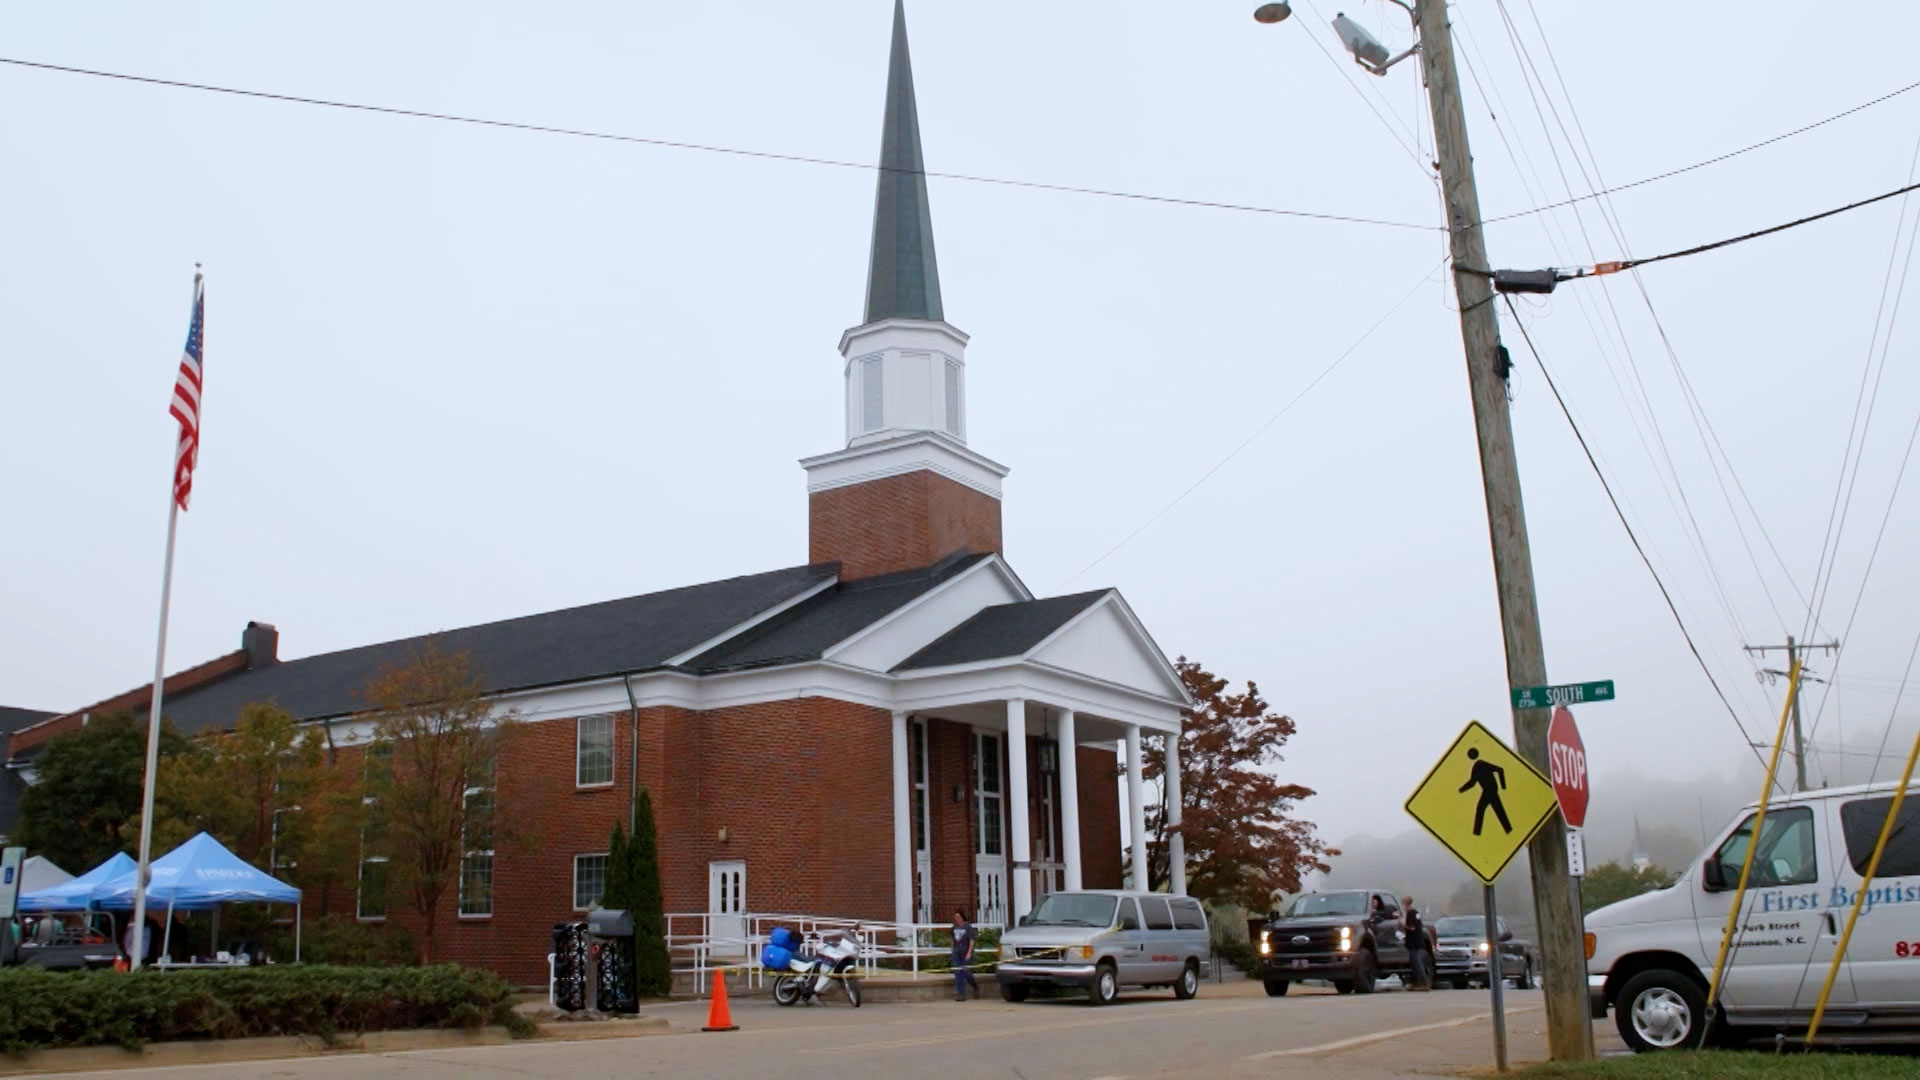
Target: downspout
x,y
633,773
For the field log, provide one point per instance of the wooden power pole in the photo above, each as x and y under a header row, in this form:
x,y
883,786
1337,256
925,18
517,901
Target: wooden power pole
x,y
1569,1026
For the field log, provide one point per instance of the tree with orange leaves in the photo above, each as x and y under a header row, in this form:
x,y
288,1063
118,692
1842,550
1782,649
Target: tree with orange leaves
x,y
1243,844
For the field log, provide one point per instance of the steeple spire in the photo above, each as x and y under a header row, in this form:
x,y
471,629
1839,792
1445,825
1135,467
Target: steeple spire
x,y
902,278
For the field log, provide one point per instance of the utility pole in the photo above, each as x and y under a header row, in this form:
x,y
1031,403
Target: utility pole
x,y
1569,1026
1793,650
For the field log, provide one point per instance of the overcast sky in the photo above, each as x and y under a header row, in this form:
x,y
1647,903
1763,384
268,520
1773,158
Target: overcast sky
x,y
457,374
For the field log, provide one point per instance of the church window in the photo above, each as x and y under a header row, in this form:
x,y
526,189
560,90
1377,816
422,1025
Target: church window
x,y
593,750
872,393
953,398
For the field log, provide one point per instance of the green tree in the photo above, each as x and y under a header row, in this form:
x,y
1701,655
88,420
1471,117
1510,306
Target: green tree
x,y
85,804
655,976
620,893
1610,883
248,787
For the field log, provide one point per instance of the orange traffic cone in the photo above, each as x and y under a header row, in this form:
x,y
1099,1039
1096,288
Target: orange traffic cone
x,y
120,963
719,1017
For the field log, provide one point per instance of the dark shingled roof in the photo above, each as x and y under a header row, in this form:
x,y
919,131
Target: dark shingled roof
x,y
595,641
812,627
1001,631
12,719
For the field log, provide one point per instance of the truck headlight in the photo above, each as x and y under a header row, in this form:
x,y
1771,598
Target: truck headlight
x,y
1484,947
1346,939
1266,945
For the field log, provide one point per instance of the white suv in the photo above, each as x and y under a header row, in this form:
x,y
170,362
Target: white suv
x,y
1650,958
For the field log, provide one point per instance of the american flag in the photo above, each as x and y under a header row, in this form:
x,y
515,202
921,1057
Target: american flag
x,y
186,398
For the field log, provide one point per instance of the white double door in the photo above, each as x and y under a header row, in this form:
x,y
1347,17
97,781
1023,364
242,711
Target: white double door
x,y
989,830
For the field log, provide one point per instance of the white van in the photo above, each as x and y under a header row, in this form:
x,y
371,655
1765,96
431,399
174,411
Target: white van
x,y
1649,958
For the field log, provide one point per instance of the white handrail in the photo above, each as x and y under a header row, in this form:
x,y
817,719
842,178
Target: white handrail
x,y
690,937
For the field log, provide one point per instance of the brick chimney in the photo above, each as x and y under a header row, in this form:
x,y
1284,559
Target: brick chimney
x,y
261,642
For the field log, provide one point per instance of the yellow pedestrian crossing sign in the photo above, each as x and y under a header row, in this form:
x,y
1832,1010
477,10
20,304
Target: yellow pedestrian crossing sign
x,y
1483,801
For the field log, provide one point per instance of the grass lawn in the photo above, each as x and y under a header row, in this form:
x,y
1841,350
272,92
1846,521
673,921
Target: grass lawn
x,y
1727,1065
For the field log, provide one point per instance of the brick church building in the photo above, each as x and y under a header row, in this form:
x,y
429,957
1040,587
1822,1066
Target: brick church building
x,y
893,730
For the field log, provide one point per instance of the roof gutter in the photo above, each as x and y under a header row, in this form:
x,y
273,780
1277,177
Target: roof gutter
x,y
633,772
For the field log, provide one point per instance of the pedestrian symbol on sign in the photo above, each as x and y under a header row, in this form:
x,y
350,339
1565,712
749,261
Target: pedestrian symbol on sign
x,y
1490,779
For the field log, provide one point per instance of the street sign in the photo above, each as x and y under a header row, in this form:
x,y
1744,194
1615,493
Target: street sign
x,y
1567,764
1576,853
1545,697
1483,801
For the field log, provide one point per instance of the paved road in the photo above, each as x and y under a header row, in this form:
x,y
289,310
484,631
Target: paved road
x,y
1230,1030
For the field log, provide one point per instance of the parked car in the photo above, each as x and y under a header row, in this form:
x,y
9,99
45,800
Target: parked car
x,y
1351,938
1462,956
69,941
1100,940
1650,958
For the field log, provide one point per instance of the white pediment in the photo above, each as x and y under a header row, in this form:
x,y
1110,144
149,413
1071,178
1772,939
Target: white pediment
x,y
1108,643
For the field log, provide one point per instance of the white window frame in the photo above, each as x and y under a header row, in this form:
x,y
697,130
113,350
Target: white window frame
x,y
987,745
468,854
359,890
580,747
605,865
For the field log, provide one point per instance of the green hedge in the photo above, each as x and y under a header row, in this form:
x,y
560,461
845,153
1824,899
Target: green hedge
x,y
40,1009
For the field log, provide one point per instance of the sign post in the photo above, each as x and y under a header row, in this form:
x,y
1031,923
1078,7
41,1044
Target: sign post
x,y
1483,802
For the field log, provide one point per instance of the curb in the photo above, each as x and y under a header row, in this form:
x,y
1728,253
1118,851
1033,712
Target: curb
x,y
229,1051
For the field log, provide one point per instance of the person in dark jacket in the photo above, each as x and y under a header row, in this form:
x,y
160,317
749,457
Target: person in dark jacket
x,y
962,957
1419,945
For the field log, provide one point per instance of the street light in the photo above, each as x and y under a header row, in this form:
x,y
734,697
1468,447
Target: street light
x,y
1366,49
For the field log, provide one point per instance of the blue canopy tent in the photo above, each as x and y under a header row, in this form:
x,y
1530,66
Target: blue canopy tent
x,y
201,875
76,894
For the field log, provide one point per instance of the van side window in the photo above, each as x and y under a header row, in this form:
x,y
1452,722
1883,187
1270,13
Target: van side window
x,y
1861,820
1785,855
1155,909
1188,916
1127,911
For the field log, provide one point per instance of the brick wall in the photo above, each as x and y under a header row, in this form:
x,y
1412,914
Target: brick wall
x,y
1100,855
900,522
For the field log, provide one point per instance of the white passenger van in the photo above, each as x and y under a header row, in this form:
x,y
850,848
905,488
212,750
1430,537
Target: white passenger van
x,y
1650,957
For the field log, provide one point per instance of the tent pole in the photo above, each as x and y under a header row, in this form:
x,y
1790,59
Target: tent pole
x,y
166,935
213,941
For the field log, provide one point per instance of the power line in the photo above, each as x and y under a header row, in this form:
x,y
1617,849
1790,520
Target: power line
x,y
1601,269
1261,430
1618,513
710,148
1670,173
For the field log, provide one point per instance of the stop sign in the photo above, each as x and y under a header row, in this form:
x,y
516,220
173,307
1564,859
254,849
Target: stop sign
x,y
1567,760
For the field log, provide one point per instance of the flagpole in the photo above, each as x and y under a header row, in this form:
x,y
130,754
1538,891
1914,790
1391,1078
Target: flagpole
x,y
139,927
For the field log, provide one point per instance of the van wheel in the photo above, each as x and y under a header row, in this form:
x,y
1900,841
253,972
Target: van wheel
x,y
1276,987
1014,992
1661,1010
1106,985
1189,983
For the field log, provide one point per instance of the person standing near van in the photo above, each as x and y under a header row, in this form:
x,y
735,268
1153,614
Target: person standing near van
x,y
962,957
1419,945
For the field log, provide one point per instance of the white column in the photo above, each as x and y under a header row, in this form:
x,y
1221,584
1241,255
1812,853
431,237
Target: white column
x,y
902,826
1136,808
1017,808
1176,844
1070,799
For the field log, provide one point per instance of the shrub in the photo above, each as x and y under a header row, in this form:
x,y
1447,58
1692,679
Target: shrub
x,y
348,942
41,1009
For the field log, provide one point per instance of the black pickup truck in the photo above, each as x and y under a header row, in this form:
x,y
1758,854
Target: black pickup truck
x,y
1343,938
